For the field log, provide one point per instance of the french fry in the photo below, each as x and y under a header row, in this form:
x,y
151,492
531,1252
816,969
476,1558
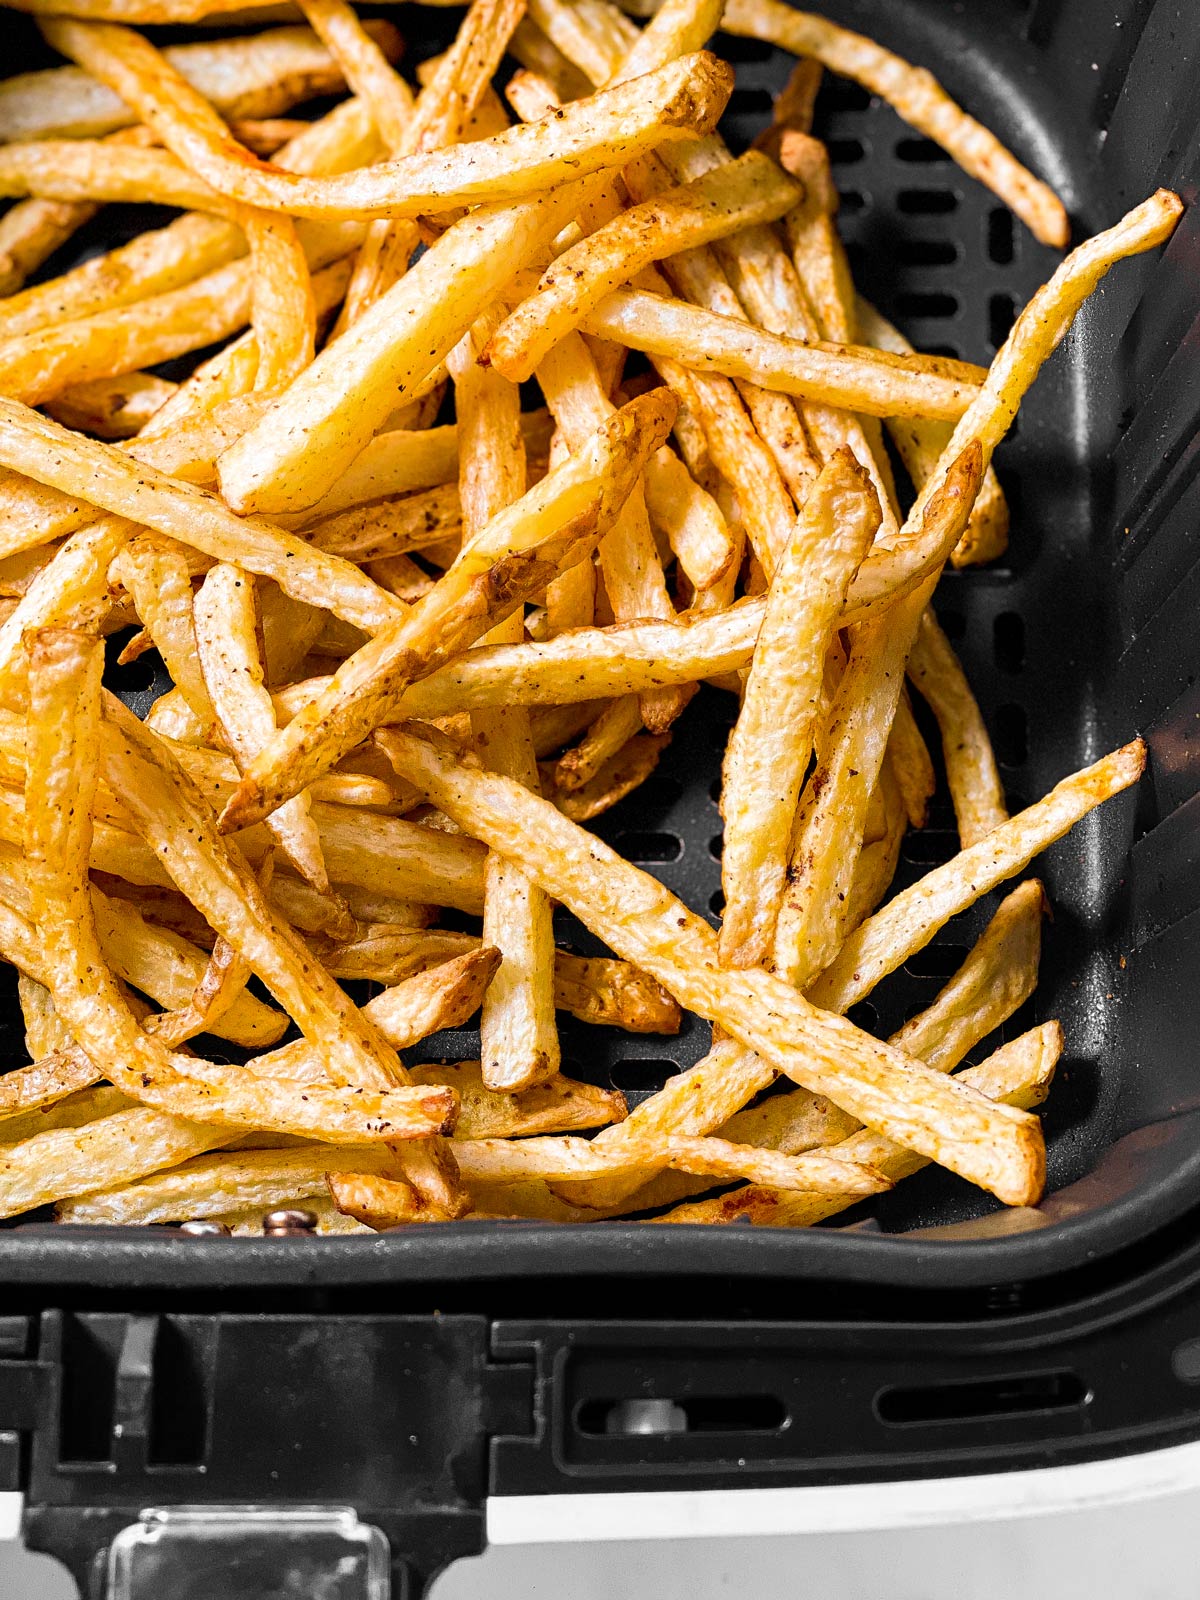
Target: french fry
x,y
448,99
262,75
491,1161
911,762
769,749
920,443
112,408
157,577
364,64
517,1031
1017,1074
554,523
283,307
909,921
689,518
393,526
76,1110
373,1199
65,707
558,1106
916,95
971,772
752,189
849,376
31,231
642,921
226,642
105,476
610,732
628,559
680,100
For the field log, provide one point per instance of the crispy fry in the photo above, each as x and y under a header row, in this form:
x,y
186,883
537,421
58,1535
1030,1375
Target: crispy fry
x,y
769,749
752,189
365,66
916,96
554,523
849,376
226,642
1017,1074
644,922
679,100
558,1106
971,773
31,231
112,408
908,922
107,477
259,76
157,577
283,306
610,732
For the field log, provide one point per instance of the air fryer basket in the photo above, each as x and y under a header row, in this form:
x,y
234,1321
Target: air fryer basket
x,y
1081,636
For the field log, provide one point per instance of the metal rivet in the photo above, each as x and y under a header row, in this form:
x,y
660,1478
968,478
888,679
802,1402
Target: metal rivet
x,y
289,1220
205,1228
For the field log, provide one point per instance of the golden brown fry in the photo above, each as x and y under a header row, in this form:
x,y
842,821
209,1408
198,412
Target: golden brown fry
x,y
620,775
909,921
112,408
679,100
689,518
365,66
642,921
971,772
373,1199
31,231
559,1106
849,376
612,729
250,77
916,96
752,189
920,443
107,477
156,575
393,526
555,523
283,311
769,748
911,763
227,646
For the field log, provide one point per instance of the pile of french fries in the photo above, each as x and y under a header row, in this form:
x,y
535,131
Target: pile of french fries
x,y
411,657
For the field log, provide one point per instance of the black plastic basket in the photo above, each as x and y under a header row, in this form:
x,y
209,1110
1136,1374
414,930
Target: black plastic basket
x,y
146,1369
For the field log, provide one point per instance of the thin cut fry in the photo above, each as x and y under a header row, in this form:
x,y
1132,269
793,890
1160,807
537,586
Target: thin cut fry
x,y
112,408
31,231
971,772
916,96
769,749
641,920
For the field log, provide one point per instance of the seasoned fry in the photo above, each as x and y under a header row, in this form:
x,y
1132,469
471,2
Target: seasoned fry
x,y
227,646
769,749
633,913
106,477
31,231
916,96
849,376
680,100
555,523
365,65
259,76
112,408
971,773
558,1106
1017,1074
749,190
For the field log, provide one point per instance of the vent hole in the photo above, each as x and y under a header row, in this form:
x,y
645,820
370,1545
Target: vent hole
x,y
929,847
1000,237
927,252
649,847
1008,641
640,1076
716,846
714,791
927,202
841,94
179,1412
994,1397
747,101
926,305
720,1413
1002,311
716,902
850,202
936,961
845,152
1011,735
921,151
